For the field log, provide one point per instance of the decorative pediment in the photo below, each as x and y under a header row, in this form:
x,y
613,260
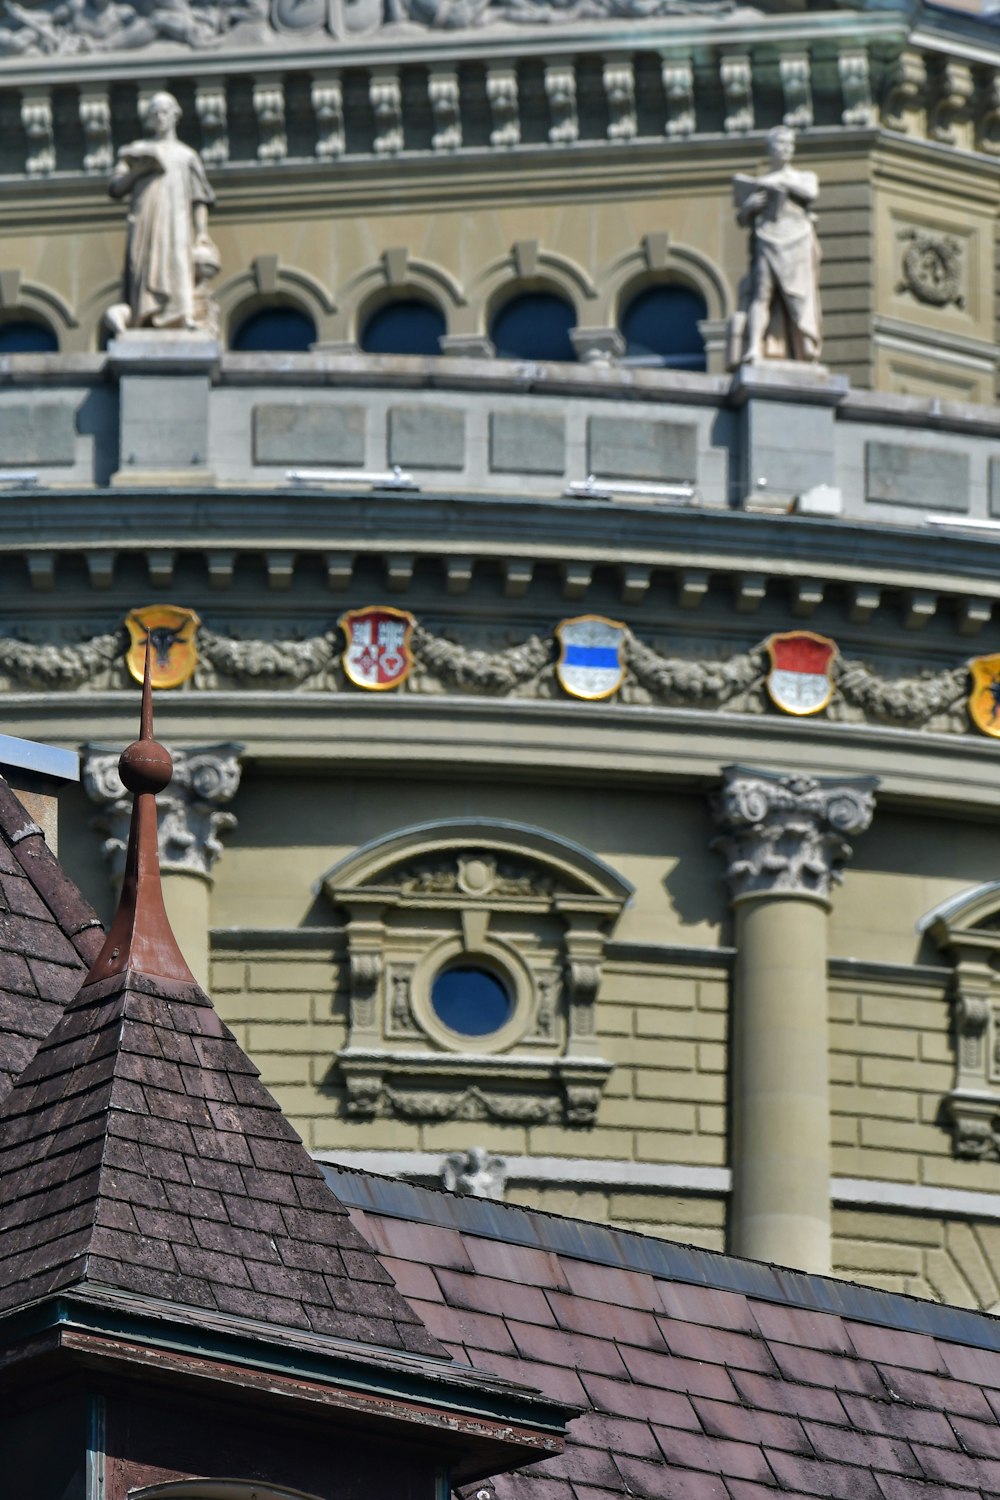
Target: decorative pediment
x,y
478,859
967,929
474,954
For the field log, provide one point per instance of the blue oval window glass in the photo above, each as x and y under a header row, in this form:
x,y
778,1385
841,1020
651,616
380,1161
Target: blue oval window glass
x,y
405,327
23,336
470,1000
277,330
660,327
535,325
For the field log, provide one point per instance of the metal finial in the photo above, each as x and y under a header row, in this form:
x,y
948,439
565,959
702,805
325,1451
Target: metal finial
x,y
140,937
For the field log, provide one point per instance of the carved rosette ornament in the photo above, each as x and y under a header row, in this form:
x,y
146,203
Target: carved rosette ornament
x,y
192,812
932,268
787,834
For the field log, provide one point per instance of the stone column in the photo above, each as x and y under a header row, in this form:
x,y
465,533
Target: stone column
x,y
191,816
784,843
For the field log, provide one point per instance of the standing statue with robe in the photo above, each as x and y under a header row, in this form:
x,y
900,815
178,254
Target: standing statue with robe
x,y
169,256
780,298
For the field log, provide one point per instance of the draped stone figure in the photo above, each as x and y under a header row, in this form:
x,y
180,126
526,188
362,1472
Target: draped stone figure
x,y
780,297
169,256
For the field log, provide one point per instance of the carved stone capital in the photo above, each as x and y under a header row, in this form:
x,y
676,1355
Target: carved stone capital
x,y
191,812
787,834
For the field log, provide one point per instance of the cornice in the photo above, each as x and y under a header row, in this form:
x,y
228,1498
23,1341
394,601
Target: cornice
x,y
288,525
559,740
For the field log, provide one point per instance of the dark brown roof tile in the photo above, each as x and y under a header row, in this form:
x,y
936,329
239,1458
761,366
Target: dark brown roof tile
x,y
137,1164
940,1395
626,1325
831,1481
893,1487
644,1403
591,1355
811,1367
724,1419
653,1482
650,1367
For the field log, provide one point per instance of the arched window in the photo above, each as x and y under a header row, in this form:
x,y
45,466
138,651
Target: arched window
x,y
279,329
660,326
406,326
534,325
21,335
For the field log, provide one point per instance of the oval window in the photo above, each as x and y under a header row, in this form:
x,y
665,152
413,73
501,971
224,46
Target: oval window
x,y
471,1000
408,326
660,327
535,325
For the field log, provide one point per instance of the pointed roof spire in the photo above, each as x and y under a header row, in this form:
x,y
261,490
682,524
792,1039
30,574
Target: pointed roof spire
x,y
141,1154
140,937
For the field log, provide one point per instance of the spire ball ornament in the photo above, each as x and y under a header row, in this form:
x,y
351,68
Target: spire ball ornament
x,y
145,766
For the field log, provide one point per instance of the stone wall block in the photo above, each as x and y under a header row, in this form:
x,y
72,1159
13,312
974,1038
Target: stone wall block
x,y
308,433
527,443
426,437
657,451
928,478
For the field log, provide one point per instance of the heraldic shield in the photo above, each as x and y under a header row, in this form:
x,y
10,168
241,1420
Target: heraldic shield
x,y
590,662
799,681
377,654
170,634
984,700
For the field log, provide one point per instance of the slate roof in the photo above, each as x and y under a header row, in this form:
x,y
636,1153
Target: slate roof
x,y
49,936
704,1377
139,1151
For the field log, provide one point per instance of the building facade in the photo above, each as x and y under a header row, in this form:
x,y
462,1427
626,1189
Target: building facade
x,y
727,917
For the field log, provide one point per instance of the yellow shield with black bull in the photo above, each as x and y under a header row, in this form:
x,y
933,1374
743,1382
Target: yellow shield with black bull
x,y
984,700
168,632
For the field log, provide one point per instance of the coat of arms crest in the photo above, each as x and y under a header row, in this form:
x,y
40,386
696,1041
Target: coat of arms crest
x,y
799,681
377,653
590,658
984,699
169,633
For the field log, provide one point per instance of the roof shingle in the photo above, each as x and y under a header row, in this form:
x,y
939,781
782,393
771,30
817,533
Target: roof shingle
x,y
703,1391
49,935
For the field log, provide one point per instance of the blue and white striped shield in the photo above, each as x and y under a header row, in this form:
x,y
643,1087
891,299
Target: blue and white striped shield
x,y
590,659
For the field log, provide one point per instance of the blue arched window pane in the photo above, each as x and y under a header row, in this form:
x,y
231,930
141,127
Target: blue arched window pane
x,y
660,326
408,326
470,1000
278,330
24,336
535,325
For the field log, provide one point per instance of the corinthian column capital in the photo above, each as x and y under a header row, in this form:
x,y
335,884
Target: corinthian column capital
x,y
191,812
787,834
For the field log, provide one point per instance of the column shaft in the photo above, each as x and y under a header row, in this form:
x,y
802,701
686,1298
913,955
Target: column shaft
x,y
783,838
187,899
781,1127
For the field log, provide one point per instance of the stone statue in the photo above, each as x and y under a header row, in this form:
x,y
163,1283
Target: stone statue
x,y
169,256
476,1173
780,298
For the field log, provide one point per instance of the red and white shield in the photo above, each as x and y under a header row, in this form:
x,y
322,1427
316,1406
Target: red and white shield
x,y
377,655
799,681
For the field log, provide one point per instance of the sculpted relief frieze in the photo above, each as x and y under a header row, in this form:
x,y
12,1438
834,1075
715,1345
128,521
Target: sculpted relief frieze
x,y
80,28
934,701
